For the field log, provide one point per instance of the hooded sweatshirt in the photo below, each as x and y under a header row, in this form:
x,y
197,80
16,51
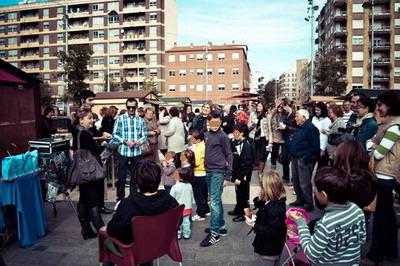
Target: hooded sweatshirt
x,y
138,204
218,153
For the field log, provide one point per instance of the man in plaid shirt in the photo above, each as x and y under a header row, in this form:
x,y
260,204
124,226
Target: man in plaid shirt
x,y
130,131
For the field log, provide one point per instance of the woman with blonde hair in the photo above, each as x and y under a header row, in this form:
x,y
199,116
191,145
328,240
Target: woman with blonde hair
x,y
107,124
270,227
152,133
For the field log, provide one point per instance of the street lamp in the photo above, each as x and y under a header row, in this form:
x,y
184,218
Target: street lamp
x,y
369,4
111,13
206,48
310,18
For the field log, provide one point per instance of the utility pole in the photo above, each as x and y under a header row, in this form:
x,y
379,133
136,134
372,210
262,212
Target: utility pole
x,y
310,18
66,25
372,44
206,67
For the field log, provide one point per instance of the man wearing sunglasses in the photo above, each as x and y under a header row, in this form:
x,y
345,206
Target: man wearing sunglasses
x,y
131,132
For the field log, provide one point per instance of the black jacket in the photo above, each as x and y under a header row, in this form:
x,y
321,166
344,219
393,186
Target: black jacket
x,y
243,162
138,205
270,228
107,124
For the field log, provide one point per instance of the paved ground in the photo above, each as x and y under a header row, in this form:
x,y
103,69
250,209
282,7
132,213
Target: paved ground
x,y
64,245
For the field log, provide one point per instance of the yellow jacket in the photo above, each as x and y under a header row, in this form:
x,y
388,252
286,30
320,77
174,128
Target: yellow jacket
x,y
199,155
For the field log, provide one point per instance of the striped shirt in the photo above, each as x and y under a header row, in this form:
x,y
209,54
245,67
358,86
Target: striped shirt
x,y
129,128
392,135
338,235
346,116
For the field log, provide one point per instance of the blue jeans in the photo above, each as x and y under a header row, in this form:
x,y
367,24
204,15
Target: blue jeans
x,y
215,184
185,227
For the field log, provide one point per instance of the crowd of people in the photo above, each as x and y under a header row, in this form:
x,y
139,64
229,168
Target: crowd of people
x,y
354,146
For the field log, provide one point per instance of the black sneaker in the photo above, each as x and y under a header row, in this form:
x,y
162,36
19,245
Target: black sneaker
x,y
222,232
210,240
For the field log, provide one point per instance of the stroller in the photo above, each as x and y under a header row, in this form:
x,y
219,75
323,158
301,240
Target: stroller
x,y
295,253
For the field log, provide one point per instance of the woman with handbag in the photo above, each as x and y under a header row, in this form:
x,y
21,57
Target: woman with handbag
x,y
335,113
175,135
152,135
91,193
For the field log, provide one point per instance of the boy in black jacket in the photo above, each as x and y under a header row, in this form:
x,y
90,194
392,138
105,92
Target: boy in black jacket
x,y
243,159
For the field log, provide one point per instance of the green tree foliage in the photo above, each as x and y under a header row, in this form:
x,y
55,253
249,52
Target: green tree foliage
x,y
45,94
329,74
75,68
268,92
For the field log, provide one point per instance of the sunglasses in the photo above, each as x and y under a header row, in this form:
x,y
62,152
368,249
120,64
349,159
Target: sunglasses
x,y
130,107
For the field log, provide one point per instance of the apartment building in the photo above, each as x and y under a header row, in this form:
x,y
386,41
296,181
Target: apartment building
x,y
258,82
347,27
301,64
128,38
215,73
287,85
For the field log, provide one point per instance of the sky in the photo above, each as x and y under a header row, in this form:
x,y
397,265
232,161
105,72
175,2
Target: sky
x,y
274,30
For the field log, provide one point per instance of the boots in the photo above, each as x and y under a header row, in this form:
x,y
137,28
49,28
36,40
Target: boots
x,y
87,231
95,217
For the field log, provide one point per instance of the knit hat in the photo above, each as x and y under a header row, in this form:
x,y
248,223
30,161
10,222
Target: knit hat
x,y
304,112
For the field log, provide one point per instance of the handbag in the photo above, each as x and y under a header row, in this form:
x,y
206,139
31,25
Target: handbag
x,y
85,168
145,149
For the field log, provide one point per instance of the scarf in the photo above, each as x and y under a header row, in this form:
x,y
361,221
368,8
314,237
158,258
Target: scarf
x,y
359,121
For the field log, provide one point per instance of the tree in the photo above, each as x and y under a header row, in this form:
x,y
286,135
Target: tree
x,y
75,68
45,94
150,85
329,74
268,92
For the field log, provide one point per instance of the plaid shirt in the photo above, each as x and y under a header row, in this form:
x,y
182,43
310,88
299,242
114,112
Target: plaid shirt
x,y
129,128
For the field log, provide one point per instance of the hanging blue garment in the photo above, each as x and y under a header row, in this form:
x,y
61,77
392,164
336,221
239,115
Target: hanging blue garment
x,y
12,166
31,162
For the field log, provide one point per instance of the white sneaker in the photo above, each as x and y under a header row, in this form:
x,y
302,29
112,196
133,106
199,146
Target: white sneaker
x,y
116,205
208,214
197,218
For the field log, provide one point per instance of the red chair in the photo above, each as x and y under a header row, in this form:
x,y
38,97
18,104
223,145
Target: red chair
x,y
153,237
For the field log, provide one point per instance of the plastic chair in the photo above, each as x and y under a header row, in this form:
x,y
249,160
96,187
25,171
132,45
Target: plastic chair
x,y
153,237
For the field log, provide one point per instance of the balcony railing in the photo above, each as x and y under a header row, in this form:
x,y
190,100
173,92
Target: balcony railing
x,y
382,46
381,29
29,18
130,22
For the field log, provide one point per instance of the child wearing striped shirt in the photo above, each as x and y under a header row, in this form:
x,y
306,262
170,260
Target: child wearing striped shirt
x,y
339,234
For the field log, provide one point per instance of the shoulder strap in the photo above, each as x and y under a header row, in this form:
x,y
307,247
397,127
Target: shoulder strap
x,y
79,139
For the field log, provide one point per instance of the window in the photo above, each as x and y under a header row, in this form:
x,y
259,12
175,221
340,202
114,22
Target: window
x,y
209,87
191,71
171,58
191,56
221,71
153,17
397,23
113,19
358,24
60,24
98,34
98,61
60,11
98,21
153,72
114,60
114,33
98,74
45,12
2,54
397,55
46,50
46,25
358,56
113,6
200,72
98,88
191,86
171,87
358,40
182,87
98,7
199,57
357,71
12,53
221,56
12,41
221,87
153,45
153,31
182,58
235,56
153,59
46,64
114,47
199,87
235,87
60,49
60,37
209,72
397,71
358,8
12,28
2,17
114,74
12,16
397,39
209,57
45,38
98,48
182,73
171,73
235,71
2,29
153,3
46,76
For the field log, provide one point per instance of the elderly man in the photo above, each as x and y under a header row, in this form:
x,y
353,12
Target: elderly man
x,y
305,150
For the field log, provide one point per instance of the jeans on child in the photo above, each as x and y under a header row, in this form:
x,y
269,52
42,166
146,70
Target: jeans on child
x,y
215,183
185,227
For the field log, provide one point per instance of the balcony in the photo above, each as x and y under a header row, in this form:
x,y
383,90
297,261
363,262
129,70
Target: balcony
x,y
78,40
134,22
135,78
381,46
78,11
32,18
340,16
381,62
29,43
381,77
133,50
134,7
381,14
340,32
32,30
381,30
29,56
130,64
31,68
339,2
133,36
78,26
341,47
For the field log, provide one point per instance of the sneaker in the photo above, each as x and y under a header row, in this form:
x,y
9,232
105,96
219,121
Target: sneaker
x,y
116,205
222,231
208,214
197,218
210,240
179,234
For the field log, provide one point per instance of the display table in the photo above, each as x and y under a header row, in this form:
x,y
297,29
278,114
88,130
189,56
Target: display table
x,y
25,194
